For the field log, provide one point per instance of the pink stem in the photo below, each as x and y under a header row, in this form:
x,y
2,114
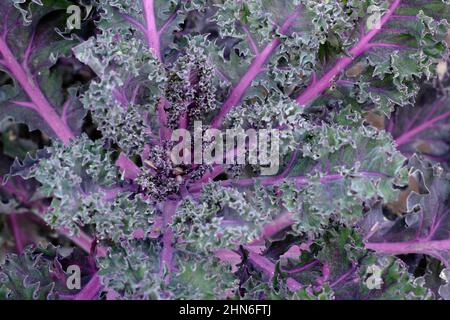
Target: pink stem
x,y
184,121
164,132
313,91
255,68
154,43
211,175
303,268
387,45
43,107
133,22
169,210
47,112
409,246
20,243
268,267
424,247
298,180
402,17
28,51
25,104
90,290
66,111
407,136
82,240
325,274
152,32
344,276
129,169
251,41
168,23
272,228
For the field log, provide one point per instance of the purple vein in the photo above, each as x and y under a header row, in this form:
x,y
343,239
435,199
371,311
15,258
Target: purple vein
x,y
402,17
388,46
344,276
435,225
153,39
18,238
283,221
255,68
40,103
415,246
5,22
407,136
169,209
250,40
152,32
268,267
423,117
65,112
133,22
300,180
169,21
28,51
25,104
303,268
83,240
316,89
43,107
90,290
434,108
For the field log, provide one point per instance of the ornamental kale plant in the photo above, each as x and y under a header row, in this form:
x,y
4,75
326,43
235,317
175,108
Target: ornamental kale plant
x,y
354,91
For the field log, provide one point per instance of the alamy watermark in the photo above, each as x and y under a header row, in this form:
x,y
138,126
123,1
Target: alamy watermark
x,y
232,147
73,281
74,19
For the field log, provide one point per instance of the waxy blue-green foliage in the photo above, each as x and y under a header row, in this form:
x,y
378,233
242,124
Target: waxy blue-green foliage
x,y
339,78
39,274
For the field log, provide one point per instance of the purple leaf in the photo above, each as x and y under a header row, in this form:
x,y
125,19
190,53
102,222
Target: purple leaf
x,y
425,229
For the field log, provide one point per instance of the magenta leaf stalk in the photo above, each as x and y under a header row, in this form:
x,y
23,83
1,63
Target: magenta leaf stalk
x,y
407,136
152,32
40,102
90,290
322,84
18,237
166,262
299,181
255,68
153,38
429,247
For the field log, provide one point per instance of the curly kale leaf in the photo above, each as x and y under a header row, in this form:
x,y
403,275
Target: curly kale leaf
x,y
42,273
29,50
